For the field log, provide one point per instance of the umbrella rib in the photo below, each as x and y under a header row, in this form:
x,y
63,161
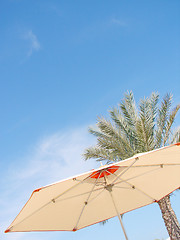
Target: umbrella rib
x,y
79,182
122,173
78,195
73,186
92,199
53,200
156,165
60,195
122,187
85,203
30,215
92,183
134,187
136,175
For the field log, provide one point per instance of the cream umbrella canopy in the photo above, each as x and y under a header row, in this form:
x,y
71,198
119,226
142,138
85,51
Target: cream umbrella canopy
x,y
100,194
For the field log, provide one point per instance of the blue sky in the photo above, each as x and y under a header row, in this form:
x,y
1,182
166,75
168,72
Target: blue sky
x,y
63,63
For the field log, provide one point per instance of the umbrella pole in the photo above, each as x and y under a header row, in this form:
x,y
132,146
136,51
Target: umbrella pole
x,y
119,216
109,189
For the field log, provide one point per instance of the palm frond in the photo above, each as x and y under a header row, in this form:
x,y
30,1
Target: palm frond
x,y
169,124
128,108
122,126
162,118
97,153
97,133
111,131
130,131
175,136
119,148
153,108
145,124
106,127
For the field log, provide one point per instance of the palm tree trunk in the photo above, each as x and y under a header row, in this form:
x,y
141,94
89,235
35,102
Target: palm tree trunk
x,y
170,219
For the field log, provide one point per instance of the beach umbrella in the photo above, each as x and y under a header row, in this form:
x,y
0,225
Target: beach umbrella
x,y
103,193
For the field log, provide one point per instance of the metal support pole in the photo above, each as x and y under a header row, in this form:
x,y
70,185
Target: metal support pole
x,y
119,216
109,188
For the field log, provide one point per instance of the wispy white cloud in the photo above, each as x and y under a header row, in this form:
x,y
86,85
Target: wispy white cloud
x,y
34,44
53,158
58,156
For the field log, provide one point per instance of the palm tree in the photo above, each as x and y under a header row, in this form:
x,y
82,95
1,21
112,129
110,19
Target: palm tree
x,y
133,130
